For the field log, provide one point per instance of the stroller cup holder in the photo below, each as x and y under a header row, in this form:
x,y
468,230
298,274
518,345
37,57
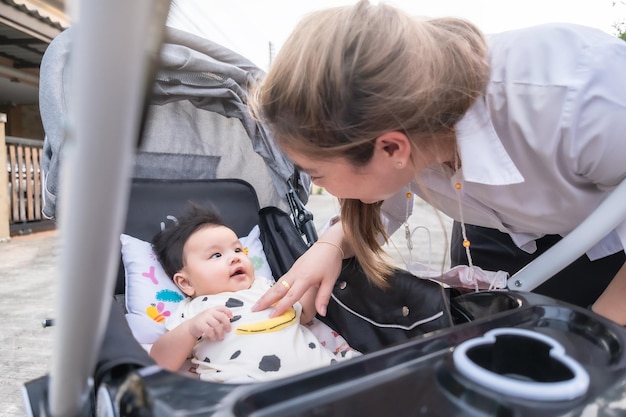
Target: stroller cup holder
x,y
521,363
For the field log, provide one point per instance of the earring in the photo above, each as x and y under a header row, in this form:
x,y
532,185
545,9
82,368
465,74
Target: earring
x,y
399,164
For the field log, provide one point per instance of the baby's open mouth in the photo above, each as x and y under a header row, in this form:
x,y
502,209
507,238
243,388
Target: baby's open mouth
x,y
238,271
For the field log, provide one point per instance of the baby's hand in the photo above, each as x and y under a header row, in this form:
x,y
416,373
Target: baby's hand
x,y
211,323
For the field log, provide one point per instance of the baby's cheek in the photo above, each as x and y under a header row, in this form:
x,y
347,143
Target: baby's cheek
x,y
256,262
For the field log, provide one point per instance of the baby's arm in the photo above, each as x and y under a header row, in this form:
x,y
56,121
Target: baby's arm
x,y
172,349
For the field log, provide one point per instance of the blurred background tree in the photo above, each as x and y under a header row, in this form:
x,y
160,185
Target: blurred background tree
x,y
620,25
620,28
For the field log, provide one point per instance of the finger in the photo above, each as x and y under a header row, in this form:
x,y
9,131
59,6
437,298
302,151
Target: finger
x,y
289,298
209,333
286,285
219,331
267,299
323,297
222,316
225,323
225,310
274,294
215,327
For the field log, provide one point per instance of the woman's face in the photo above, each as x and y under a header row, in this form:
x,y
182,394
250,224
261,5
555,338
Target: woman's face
x,y
378,180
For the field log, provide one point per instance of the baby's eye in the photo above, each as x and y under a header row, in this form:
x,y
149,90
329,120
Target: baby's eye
x,y
215,255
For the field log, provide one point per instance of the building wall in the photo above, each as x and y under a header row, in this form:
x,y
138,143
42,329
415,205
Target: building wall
x,y
23,120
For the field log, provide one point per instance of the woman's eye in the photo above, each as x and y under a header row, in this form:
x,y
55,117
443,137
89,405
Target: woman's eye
x,y
215,255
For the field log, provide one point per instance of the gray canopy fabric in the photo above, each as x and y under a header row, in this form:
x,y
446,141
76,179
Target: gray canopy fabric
x,y
197,122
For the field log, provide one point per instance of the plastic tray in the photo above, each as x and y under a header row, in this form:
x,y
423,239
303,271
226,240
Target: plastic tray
x,y
421,377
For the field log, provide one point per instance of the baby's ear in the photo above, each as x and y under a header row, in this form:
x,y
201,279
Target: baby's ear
x,y
183,284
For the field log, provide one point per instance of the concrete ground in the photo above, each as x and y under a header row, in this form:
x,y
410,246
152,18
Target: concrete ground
x,y
28,274
28,287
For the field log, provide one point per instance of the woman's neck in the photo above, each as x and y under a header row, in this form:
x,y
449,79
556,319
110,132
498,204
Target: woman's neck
x,y
444,150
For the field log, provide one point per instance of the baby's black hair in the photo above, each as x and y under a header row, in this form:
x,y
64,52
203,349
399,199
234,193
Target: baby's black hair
x,y
168,244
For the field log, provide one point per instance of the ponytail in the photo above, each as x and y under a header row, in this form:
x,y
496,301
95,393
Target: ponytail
x,y
365,231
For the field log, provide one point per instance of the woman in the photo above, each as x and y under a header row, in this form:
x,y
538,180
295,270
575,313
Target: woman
x,y
518,136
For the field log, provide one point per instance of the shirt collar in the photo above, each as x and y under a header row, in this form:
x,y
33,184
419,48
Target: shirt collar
x,y
484,159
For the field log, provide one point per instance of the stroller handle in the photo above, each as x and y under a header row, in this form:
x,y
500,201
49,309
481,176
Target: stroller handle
x,y
302,218
608,215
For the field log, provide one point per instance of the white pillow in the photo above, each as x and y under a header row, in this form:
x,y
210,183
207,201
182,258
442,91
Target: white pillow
x,y
151,295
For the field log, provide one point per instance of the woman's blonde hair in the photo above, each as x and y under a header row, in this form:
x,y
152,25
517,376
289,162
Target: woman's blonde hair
x,y
346,75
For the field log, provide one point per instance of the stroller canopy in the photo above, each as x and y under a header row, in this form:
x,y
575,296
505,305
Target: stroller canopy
x,y
201,89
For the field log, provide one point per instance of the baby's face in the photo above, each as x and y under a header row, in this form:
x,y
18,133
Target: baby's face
x,y
215,262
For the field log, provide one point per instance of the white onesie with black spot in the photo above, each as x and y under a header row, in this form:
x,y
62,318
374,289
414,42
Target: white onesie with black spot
x,y
252,351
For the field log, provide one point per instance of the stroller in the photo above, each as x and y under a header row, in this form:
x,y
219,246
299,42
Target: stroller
x,y
408,335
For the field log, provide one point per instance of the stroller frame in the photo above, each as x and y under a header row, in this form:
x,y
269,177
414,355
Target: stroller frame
x,y
102,153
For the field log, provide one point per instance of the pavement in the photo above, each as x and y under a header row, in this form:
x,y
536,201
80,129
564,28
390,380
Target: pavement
x,y
28,276
29,268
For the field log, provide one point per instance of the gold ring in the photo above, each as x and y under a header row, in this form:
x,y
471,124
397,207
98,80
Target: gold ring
x,y
285,284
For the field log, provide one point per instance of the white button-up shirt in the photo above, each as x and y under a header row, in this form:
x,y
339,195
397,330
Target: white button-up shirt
x,y
546,143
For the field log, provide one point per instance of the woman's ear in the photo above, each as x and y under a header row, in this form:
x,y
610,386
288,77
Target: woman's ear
x,y
395,146
183,283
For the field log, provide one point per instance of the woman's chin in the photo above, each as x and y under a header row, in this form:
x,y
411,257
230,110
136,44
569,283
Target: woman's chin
x,y
369,201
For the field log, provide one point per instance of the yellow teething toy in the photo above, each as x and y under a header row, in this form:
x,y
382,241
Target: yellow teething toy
x,y
271,325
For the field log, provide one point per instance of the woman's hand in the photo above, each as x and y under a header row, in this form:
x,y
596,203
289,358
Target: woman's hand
x,y
610,304
211,323
318,267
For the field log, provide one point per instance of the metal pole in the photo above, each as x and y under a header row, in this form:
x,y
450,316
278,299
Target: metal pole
x,y
114,45
610,213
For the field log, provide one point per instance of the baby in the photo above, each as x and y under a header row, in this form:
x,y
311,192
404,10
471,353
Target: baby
x,y
214,324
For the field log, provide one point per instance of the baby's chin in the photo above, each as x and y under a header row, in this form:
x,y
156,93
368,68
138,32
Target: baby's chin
x,y
242,282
